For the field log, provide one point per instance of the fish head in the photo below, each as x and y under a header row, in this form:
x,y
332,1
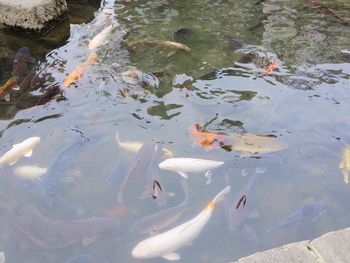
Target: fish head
x,y
166,164
34,141
144,249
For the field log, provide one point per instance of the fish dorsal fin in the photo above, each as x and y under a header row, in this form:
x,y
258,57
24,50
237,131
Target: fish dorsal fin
x,y
28,154
172,256
15,145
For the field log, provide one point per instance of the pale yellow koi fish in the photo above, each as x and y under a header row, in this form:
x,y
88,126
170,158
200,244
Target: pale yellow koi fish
x,y
344,165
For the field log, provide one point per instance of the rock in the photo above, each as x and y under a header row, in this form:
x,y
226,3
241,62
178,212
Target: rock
x,y
35,15
333,246
291,253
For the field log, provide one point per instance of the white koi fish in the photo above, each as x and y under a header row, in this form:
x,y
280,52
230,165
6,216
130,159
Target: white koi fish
x,y
30,172
164,244
135,146
100,38
190,165
24,148
2,257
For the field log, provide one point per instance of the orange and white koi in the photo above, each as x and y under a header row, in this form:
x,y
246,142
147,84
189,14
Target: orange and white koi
x,y
79,70
11,83
164,244
203,138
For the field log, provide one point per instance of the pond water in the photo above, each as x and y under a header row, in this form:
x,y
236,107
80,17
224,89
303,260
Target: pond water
x,y
264,88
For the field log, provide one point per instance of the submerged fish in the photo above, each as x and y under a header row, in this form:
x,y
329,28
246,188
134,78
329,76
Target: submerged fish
x,y
130,146
21,62
161,43
134,146
137,77
11,83
153,223
139,166
190,165
2,257
153,186
60,165
164,244
24,148
344,165
79,70
47,233
19,69
29,172
242,210
100,38
254,144
306,212
119,173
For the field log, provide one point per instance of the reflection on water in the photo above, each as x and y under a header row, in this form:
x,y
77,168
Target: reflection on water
x,y
263,89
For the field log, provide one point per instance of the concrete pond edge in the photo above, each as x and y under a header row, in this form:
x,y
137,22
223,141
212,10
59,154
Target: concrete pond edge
x,y
34,15
330,247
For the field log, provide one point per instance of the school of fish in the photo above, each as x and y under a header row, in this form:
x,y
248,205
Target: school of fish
x,y
146,163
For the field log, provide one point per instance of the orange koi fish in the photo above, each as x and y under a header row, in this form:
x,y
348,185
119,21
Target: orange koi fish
x,y
204,138
271,67
201,137
11,83
79,70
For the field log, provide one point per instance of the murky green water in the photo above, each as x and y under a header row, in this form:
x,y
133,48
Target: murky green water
x,y
304,103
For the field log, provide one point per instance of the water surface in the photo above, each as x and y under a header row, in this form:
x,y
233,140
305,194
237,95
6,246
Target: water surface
x,y
303,103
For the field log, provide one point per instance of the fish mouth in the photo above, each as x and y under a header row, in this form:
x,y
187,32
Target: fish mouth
x,y
136,253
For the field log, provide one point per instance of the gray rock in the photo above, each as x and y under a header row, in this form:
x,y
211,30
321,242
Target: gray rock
x,y
291,253
333,246
31,14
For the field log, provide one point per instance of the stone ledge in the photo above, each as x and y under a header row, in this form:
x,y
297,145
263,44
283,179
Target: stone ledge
x,y
331,247
33,15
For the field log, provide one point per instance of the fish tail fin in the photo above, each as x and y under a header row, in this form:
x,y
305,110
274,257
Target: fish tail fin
x,y
117,138
184,186
220,196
